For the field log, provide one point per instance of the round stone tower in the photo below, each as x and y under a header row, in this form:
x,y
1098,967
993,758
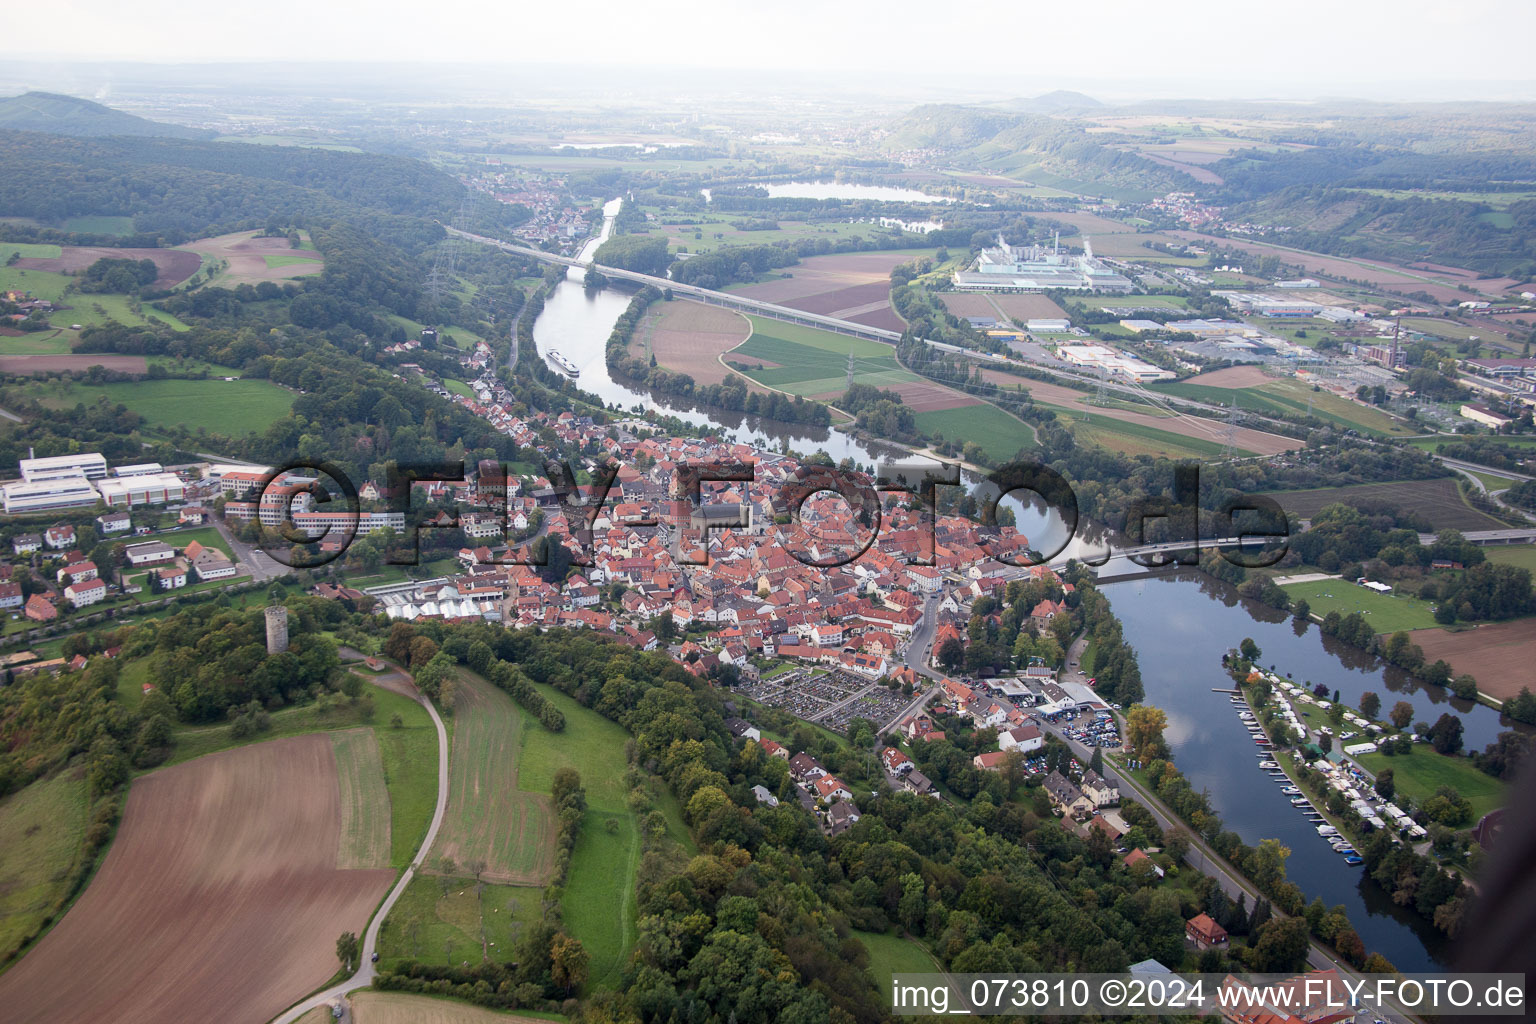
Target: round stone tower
x,y
277,629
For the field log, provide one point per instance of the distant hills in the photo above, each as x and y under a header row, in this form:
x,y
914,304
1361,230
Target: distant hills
x,y
1034,147
69,115
1059,101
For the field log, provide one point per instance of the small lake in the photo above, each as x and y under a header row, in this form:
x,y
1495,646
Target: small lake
x,y
842,190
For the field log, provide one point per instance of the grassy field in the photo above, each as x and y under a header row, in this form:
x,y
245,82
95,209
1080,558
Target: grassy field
x,y
998,433
1522,555
207,536
458,337
599,901
43,343
892,954
1448,329
458,387
224,407
28,250
130,683
396,573
286,260
1422,772
441,921
197,740
83,309
812,362
1296,397
148,596
590,743
365,819
100,225
1136,438
41,830
1387,613
1492,481
718,232
492,815
409,759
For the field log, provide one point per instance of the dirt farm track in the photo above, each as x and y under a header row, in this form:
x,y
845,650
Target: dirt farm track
x,y
219,900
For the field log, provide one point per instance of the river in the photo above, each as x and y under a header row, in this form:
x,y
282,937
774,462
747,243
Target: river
x,y
1179,625
577,321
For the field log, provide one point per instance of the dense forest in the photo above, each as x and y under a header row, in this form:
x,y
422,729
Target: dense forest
x,y
1351,222
764,923
177,190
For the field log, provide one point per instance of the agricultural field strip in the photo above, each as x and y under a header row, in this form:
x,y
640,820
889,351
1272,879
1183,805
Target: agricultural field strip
x,y
365,817
490,817
220,891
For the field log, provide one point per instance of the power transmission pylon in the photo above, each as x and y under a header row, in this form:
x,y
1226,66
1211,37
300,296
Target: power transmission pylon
x,y
850,372
445,262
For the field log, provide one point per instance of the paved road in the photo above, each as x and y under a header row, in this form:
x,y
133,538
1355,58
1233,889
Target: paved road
x,y
262,565
916,659
365,973
1477,467
1470,470
709,295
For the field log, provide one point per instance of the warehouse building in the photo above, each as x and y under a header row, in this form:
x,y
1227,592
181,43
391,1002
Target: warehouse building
x,y
139,469
1036,268
147,489
1101,357
1271,305
91,465
73,491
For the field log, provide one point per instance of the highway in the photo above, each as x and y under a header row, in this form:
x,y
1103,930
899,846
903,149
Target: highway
x,y
709,295
1473,467
848,327
365,973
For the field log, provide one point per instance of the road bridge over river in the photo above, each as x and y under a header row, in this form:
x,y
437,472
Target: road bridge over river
x,y
728,300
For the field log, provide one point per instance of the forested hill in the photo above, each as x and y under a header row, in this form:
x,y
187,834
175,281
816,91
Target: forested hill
x,y
1355,222
70,115
1031,145
179,189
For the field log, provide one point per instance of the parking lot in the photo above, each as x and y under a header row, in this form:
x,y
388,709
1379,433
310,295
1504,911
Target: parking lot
x,y
1092,729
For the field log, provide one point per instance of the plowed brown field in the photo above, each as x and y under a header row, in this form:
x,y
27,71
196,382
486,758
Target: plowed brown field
x,y
55,364
1235,377
1498,654
246,253
175,265
688,336
220,899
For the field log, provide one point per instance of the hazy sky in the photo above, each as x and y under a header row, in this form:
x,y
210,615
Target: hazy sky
x,y
1296,47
